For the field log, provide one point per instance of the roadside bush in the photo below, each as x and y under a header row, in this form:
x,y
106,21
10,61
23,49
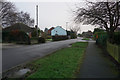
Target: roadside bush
x,y
102,38
23,38
73,35
49,37
116,39
5,36
41,40
34,33
15,36
58,38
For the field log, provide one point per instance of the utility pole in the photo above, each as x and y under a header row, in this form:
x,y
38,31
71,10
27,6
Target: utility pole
x,y
37,19
66,25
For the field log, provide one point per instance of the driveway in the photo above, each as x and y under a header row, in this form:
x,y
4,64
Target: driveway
x,y
14,56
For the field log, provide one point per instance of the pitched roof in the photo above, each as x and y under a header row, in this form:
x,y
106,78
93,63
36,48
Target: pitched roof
x,y
19,26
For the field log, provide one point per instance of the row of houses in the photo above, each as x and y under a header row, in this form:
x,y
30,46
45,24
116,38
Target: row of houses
x,y
53,31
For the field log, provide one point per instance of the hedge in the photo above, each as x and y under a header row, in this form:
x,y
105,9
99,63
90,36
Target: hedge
x,y
58,38
102,38
41,40
15,36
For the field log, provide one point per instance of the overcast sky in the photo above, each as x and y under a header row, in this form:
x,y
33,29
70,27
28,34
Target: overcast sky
x,y
52,14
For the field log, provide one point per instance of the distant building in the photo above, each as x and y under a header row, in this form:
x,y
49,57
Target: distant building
x,y
59,31
49,31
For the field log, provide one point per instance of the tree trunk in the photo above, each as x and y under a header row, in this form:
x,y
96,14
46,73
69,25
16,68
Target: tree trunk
x,y
111,36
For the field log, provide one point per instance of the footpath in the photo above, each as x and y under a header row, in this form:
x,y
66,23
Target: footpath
x,y
96,64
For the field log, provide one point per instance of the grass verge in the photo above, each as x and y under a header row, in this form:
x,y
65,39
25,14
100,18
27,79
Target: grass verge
x,y
48,39
61,64
85,39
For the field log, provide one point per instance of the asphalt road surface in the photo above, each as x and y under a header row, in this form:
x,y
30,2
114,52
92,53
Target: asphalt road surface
x,y
12,57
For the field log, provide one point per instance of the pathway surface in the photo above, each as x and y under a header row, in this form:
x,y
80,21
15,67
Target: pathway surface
x,y
96,65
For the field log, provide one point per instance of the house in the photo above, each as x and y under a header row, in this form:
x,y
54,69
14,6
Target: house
x,y
58,33
20,27
49,31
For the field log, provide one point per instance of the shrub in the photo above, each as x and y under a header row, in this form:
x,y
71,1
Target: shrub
x,y
116,39
73,35
41,40
49,37
23,38
58,38
102,38
15,36
5,36
34,33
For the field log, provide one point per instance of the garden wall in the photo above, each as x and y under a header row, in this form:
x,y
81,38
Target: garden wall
x,y
114,51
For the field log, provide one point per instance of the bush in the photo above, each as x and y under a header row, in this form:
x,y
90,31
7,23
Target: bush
x,y
49,37
41,40
16,36
5,36
73,35
58,38
102,38
34,33
116,39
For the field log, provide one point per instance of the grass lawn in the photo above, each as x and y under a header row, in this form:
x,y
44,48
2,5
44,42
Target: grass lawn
x,y
63,63
48,39
85,39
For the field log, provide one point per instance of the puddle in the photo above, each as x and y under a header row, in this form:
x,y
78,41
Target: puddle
x,y
20,73
69,45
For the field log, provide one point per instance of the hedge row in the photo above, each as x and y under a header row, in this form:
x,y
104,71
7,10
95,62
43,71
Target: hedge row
x,y
58,38
103,37
15,36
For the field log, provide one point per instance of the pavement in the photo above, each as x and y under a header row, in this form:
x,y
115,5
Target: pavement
x,y
10,45
96,64
18,54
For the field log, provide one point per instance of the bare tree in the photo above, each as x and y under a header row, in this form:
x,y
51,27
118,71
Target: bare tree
x,y
9,15
104,14
25,18
6,11
75,28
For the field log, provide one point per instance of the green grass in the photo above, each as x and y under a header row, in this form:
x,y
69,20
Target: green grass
x,y
85,39
48,39
61,64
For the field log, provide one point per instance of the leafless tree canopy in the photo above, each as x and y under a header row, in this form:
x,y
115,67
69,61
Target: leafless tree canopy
x,y
105,14
75,28
9,15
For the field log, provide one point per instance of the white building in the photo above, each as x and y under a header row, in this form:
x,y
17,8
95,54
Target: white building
x,y
58,31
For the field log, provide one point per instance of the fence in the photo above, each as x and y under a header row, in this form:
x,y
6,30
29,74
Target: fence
x,y
114,51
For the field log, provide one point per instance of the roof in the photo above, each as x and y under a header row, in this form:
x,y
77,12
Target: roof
x,y
19,26
51,28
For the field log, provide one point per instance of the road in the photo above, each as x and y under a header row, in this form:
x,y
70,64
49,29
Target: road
x,y
12,57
